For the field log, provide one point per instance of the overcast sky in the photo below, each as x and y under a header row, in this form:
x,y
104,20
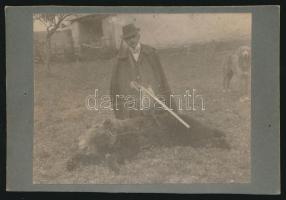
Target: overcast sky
x,y
159,28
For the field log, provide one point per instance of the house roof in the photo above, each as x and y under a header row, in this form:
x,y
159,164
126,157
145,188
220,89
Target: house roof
x,y
82,17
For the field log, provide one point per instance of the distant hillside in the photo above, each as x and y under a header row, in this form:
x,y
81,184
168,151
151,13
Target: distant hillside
x,y
161,30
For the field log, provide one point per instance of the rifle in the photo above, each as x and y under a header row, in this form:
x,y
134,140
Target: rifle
x,y
137,86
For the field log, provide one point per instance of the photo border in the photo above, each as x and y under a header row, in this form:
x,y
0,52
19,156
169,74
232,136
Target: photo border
x,y
265,134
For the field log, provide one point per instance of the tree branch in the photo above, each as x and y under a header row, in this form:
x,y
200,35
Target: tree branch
x,y
57,25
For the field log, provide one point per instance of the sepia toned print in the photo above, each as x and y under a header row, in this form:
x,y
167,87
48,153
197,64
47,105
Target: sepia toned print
x,y
142,98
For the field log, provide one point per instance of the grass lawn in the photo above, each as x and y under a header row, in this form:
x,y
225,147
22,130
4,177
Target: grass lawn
x,y
61,117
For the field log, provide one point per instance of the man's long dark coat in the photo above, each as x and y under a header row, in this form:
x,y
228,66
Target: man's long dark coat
x,y
146,71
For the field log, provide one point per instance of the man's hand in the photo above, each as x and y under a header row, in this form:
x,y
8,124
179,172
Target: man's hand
x,y
151,90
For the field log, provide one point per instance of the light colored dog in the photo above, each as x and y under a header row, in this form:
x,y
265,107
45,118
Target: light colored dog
x,y
238,64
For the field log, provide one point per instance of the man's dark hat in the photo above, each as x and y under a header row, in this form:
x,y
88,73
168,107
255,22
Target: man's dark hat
x,y
129,30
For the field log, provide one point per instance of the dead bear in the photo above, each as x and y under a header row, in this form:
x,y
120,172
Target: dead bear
x,y
115,141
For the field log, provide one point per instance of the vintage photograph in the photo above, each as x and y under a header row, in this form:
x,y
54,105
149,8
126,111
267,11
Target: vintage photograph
x,y
142,98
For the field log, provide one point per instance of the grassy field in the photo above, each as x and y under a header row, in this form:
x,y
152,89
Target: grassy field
x,y
61,117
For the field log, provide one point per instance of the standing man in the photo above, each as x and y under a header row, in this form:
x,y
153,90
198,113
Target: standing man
x,y
140,63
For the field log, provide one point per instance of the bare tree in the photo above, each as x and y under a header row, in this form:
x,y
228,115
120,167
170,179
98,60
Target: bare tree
x,y
52,23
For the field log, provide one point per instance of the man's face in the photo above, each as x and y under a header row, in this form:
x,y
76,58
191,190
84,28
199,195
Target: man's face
x,y
133,40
